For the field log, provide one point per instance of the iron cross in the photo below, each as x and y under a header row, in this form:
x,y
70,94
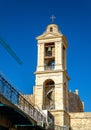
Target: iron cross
x,y
52,18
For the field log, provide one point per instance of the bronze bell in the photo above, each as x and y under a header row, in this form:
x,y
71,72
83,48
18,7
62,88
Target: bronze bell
x,y
49,48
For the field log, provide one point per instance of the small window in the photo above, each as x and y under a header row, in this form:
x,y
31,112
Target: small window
x,y
51,29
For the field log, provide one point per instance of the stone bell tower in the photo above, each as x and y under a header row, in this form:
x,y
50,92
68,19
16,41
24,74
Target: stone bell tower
x,y
51,87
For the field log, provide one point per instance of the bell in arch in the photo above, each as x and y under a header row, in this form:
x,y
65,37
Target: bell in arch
x,y
49,48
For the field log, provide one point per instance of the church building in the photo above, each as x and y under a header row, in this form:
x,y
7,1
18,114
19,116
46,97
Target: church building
x,y
51,84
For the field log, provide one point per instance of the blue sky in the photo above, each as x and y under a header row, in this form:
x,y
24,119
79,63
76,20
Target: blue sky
x,y
21,21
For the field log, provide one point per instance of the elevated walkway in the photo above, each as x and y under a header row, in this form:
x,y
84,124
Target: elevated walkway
x,y
16,111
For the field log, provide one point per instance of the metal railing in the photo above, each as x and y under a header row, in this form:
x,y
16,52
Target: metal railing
x,y
49,54
51,67
11,94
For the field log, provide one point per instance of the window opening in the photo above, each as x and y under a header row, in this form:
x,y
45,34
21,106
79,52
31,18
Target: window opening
x,y
51,29
49,95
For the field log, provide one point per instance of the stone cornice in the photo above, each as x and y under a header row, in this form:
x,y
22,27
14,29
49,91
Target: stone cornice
x,y
53,71
51,35
55,37
55,111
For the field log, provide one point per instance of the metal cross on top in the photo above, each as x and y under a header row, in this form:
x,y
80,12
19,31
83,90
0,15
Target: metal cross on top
x,y
52,18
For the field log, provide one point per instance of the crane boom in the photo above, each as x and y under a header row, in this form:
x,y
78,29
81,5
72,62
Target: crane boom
x,y
10,51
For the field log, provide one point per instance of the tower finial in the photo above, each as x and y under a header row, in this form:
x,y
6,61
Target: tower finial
x,y
52,18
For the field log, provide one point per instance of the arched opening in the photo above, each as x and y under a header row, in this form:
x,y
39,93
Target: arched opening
x,y
49,56
49,95
51,29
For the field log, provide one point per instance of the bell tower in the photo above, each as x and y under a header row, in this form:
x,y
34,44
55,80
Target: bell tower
x,y
51,84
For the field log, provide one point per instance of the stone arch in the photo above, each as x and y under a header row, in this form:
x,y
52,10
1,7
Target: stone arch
x,y
51,29
49,94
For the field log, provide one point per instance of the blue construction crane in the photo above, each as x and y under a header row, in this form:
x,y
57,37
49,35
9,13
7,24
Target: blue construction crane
x,y
10,51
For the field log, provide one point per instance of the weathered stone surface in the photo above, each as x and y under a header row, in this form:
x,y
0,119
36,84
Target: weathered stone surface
x,y
80,121
75,104
30,98
61,118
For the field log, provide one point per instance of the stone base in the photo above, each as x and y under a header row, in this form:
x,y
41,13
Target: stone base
x,y
61,118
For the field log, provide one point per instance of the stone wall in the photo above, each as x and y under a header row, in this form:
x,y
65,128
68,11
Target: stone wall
x,y
80,121
30,98
61,118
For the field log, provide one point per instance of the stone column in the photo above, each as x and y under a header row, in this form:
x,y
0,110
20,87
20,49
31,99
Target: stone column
x,y
38,92
59,97
58,55
40,62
